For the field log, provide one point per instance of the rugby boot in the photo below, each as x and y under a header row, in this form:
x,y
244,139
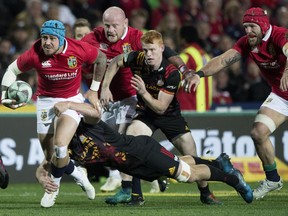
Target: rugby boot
x,y
265,187
122,196
49,199
224,163
136,201
85,184
163,184
209,199
242,187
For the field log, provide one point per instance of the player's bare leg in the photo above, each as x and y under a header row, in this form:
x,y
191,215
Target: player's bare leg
x,y
186,146
267,120
209,170
60,161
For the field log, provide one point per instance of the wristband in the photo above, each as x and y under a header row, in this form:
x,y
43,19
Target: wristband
x,y
200,73
95,85
183,68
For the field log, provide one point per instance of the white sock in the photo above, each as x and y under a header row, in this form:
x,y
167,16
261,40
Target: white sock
x,y
56,180
77,174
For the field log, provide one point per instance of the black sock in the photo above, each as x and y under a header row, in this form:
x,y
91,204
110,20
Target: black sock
x,y
199,160
126,185
70,168
205,191
272,175
57,172
219,175
136,187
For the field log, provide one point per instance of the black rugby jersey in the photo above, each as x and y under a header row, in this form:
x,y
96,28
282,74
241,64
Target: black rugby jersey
x,y
167,79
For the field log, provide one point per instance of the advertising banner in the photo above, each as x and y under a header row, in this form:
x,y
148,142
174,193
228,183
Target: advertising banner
x,y
213,133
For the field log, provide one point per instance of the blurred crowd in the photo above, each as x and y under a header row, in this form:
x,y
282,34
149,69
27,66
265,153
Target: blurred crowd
x,y
218,22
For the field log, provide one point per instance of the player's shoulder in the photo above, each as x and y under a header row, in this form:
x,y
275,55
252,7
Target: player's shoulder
x,y
34,53
74,44
242,44
79,48
277,30
169,68
135,56
134,30
97,34
134,33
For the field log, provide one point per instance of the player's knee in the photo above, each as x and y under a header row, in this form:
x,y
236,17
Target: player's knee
x,y
262,131
61,151
185,172
267,121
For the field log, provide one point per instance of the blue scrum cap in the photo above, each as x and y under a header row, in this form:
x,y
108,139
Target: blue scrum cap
x,y
56,28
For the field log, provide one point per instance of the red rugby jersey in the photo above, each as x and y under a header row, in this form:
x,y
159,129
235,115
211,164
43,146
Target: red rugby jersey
x,y
268,56
120,86
58,75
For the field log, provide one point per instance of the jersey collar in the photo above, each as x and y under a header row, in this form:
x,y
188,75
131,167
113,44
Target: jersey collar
x,y
65,46
125,33
268,33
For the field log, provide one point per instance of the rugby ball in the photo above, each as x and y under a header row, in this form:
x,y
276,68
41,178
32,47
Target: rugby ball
x,y
20,91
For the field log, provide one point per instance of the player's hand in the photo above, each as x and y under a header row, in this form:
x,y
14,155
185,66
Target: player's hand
x,y
92,96
188,73
47,183
138,84
12,104
61,107
284,82
105,98
190,81
42,175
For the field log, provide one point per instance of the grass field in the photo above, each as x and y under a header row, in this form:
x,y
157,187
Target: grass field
x,y
179,199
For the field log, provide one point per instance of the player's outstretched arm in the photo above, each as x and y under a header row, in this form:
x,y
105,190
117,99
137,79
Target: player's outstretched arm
x,y
177,61
113,67
91,115
98,73
215,65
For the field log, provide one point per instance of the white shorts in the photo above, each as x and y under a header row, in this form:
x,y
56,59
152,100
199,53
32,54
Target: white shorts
x,y
46,115
276,103
120,112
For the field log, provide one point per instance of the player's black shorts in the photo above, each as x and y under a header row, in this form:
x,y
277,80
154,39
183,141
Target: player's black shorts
x,y
148,160
171,126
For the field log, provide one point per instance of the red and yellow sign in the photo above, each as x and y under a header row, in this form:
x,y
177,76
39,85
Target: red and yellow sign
x,y
251,168
30,108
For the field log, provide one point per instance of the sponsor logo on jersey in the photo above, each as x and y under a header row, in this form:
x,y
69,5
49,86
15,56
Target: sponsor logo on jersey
x,y
46,64
72,62
103,46
171,87
270,65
